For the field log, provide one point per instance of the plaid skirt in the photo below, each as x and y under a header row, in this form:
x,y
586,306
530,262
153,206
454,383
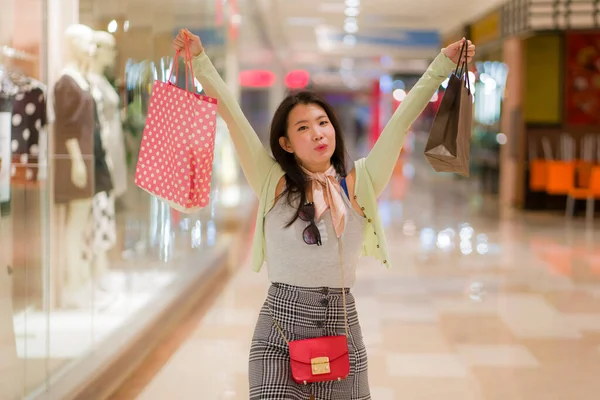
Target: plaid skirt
x,y
304,313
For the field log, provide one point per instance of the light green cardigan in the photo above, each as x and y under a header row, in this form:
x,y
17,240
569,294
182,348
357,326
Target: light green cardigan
x,y
372,173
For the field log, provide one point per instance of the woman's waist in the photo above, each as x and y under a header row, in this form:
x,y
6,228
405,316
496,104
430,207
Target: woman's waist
x,y
313,280
284,295
317,290
310,307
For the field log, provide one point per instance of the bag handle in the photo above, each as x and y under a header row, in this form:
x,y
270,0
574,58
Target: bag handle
x,y
463,64
460,63
188,65
346,325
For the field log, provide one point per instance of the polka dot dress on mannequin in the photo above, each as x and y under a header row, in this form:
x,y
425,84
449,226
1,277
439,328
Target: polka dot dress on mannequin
x,y
29,122
22,132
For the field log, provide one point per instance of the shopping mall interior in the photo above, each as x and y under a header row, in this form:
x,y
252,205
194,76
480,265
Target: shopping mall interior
x,y
109,290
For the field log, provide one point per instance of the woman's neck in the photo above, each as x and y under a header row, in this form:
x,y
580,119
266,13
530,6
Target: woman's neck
x,y
315,169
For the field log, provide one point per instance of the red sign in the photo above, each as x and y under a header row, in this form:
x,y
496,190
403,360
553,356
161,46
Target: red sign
x,y
234,19
375,112
257,78
297,79
219,13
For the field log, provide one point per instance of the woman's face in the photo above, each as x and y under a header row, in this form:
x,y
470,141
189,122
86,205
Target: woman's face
x,y
310,137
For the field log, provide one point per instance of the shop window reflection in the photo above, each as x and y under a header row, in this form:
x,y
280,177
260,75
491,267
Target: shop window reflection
x,y
211,233
197,235
55,329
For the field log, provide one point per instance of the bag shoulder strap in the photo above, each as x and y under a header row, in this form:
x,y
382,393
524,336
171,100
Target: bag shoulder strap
x,y
344,185
341,259
343,286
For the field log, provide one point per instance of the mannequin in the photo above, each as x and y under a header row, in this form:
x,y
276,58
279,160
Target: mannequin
x,y
110,118
107,101
80,170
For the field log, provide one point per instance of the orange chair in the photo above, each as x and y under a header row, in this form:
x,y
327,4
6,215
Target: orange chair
x,y
583,170
560,177
591,193
537,175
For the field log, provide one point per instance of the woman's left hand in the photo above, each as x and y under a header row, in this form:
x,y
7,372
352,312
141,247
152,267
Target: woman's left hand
x,y
453,51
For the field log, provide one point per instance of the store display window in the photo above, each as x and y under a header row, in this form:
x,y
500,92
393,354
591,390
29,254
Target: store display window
x,y
85,255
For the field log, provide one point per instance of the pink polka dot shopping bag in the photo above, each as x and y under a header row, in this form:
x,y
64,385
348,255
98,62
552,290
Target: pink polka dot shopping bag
x,y
178,145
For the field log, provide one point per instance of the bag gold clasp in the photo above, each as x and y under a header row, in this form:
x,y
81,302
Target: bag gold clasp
x,y
320,365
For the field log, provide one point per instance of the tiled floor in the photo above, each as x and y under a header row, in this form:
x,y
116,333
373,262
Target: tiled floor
x,y
477,307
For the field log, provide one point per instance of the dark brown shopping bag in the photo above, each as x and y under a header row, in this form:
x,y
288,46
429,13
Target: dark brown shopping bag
x,y
449,142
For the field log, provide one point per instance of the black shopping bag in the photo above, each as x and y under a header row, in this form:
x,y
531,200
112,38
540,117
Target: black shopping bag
x,y
449,142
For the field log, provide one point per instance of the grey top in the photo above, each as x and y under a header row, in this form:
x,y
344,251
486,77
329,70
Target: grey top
x,y
293,262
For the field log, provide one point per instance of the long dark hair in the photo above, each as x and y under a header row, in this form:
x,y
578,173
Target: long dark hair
x,y
296,179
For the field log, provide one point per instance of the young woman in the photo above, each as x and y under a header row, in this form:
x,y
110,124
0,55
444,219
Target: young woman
x,y
315,219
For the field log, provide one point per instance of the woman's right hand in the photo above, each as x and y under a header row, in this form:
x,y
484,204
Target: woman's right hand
x,y
194,42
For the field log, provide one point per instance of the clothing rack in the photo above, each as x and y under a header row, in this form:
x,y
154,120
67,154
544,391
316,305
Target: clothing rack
x,y
9,52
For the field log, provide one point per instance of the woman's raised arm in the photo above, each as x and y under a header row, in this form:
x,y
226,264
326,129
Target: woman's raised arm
x,y
383,157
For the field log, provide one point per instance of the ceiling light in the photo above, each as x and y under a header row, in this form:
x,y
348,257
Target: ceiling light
x,y
398,84
352,12
385,84
323,39
501,138
352,3
351,26
236,19
399,94
349,40
112,26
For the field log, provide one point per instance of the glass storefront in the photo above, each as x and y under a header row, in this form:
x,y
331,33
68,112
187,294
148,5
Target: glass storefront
x,y
489,89
85,256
